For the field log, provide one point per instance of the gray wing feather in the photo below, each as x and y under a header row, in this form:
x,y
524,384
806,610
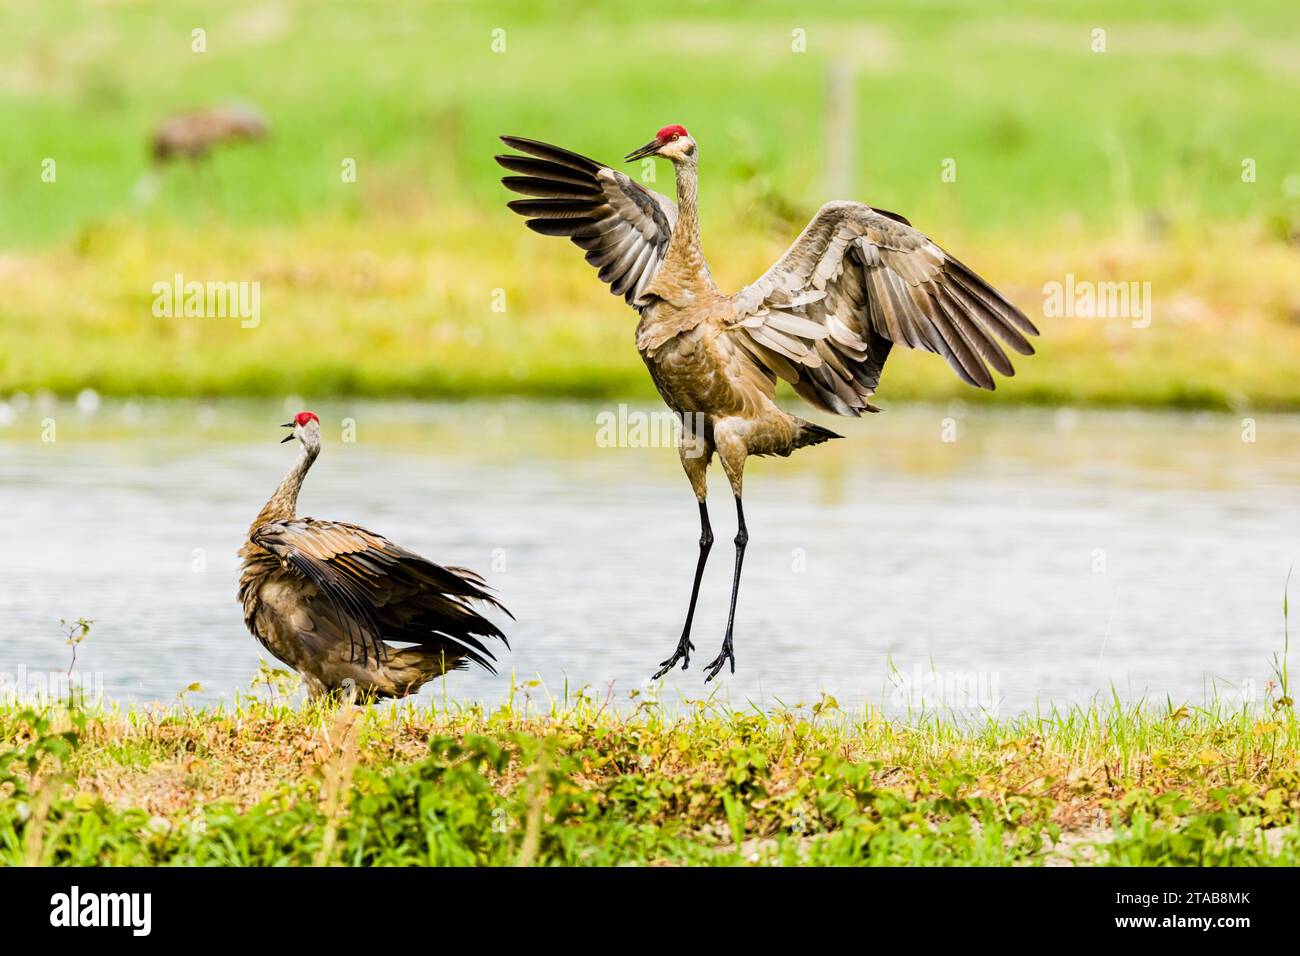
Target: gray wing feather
x,y
623,226
380,591
856,282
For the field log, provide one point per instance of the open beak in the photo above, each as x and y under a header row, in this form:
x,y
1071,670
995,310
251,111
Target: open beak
x,y
288,437
649,149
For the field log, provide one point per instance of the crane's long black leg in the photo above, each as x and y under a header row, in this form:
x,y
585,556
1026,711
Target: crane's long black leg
x,y
742,538
684,645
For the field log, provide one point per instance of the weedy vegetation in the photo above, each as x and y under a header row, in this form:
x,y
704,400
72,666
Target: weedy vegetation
x,y
265,782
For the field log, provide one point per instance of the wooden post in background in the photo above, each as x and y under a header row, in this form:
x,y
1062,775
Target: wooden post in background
x,y
839,122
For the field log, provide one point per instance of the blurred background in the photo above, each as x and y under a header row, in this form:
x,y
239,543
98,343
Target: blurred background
x,y
1112,156
338,157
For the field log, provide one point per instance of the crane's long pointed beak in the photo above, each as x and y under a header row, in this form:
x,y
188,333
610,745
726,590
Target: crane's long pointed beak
x,y
288,437
649,149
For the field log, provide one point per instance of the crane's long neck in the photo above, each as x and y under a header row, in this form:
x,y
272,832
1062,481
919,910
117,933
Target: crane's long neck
x,y
685,257
283,505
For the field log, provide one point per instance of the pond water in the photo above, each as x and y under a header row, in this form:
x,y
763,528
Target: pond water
x,y
952,558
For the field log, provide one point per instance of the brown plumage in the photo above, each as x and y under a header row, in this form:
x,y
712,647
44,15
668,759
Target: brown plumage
x,y
856,282
193,135
326,598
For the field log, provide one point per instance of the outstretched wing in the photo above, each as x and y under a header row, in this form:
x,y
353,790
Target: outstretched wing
x,y
623,226
380,591
858,281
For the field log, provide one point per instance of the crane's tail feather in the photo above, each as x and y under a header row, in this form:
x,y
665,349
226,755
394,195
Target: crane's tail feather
x,y
810,434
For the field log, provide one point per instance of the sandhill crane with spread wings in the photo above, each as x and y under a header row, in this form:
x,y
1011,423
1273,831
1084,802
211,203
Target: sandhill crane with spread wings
x,y
332,600
856,282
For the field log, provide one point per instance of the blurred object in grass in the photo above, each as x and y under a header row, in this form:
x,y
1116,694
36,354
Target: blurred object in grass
x,y
193,135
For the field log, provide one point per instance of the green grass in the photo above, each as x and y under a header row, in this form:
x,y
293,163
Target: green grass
x,y
1123,165
1042,127
583,784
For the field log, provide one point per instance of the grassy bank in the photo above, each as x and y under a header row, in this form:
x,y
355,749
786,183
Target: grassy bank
x,y
267,784
391,285
361,309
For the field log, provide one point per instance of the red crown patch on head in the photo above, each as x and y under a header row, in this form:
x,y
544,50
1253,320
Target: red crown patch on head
x,y
668,132
302,418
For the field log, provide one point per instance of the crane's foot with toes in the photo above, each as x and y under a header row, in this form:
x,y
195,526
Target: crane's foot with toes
x,y
723,657
683,654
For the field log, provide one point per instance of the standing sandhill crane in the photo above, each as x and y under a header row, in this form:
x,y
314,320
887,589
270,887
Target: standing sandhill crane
x,y
325,597
856,282
193,135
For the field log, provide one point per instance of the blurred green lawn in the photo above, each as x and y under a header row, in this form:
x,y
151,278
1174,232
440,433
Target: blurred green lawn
x,y
1123,165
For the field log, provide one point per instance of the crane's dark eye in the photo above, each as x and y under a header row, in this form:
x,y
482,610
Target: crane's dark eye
x,y
676,137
